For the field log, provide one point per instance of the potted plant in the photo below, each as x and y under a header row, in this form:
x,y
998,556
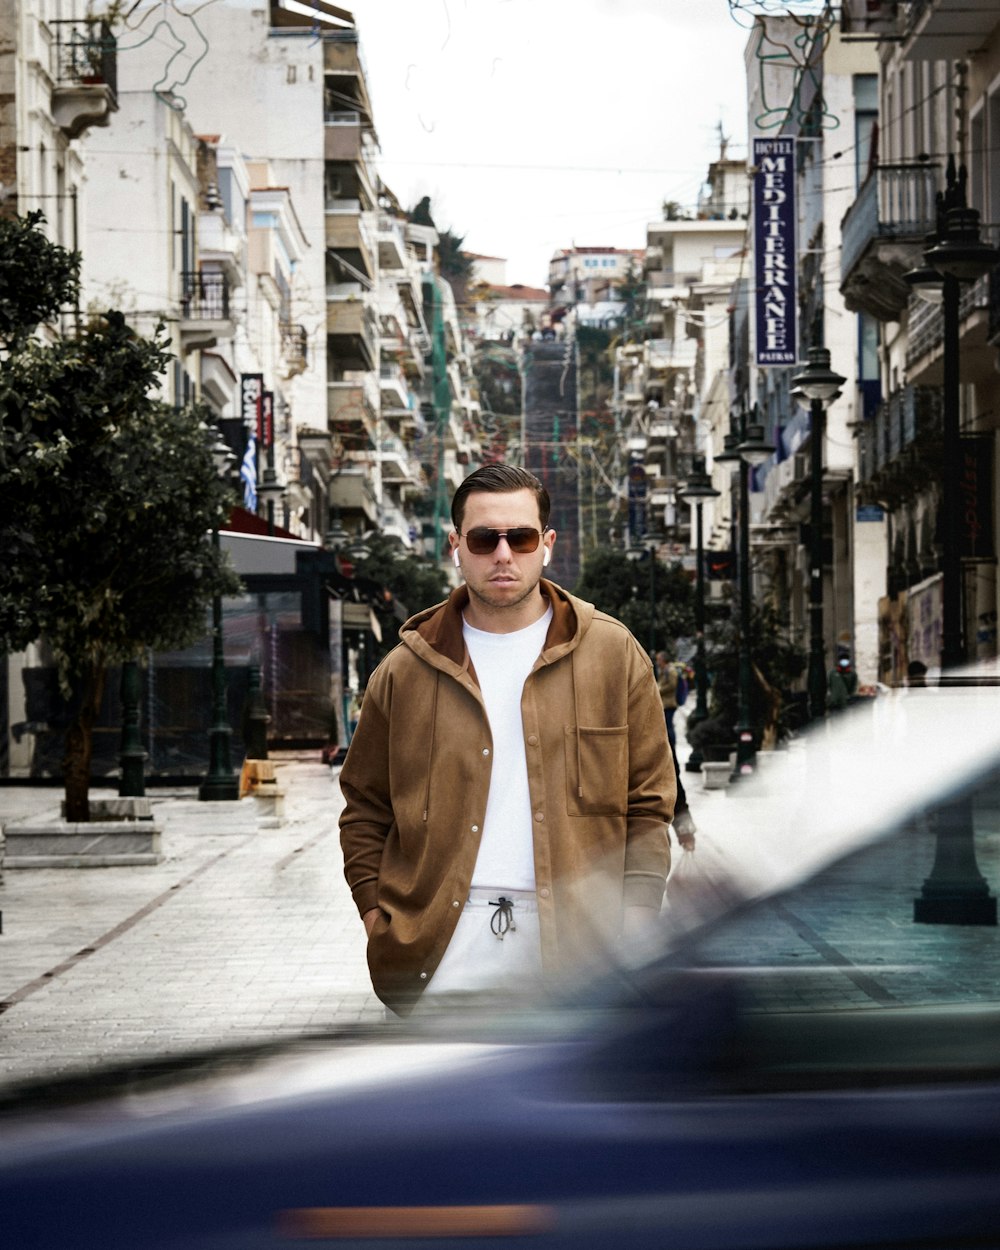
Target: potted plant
x,y
714,737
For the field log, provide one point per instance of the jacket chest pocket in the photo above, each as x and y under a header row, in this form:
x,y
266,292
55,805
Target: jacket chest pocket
x,y
597,771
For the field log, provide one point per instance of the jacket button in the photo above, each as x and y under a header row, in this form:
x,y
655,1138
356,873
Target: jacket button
x,y
475,828
486,750
539,815
543,892
532,740
423,976
456,903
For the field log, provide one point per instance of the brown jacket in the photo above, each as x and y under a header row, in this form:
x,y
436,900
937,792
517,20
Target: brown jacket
x,y
417,776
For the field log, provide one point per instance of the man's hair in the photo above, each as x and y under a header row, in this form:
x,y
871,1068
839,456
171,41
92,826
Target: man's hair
x,y
500,479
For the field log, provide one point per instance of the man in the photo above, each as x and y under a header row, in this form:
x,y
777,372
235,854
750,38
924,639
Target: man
x,y
509,786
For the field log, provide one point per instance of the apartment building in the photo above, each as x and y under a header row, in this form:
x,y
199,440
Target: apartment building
x,y
937,101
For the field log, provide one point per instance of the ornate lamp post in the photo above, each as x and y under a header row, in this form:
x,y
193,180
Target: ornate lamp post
x,y
956,891
220,783
646,548
818,383
697,489
753,449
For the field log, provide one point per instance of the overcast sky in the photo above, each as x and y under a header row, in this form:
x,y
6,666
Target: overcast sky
x,y
539,124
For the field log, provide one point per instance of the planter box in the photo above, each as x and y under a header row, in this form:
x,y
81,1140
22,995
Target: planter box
x,y
716,774
96,844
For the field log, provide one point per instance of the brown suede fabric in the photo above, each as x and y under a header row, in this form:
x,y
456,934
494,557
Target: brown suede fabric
x,y
417,776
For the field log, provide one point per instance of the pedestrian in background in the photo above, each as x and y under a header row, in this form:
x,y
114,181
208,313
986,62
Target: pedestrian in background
x,y
668,681
509,786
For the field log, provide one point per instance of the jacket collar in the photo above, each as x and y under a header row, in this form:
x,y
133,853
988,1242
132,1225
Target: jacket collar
x,y
440,627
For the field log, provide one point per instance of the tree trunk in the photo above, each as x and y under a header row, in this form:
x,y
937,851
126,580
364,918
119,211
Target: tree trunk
x,y
79,745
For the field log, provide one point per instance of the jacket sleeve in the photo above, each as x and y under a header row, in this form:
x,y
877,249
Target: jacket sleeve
x,y
367,816
652,792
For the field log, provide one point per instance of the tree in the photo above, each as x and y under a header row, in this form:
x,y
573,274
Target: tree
x,y
36,278
778,663
109,497
621,587
409,584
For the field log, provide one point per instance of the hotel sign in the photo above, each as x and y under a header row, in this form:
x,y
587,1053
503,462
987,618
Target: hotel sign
x,y
774,251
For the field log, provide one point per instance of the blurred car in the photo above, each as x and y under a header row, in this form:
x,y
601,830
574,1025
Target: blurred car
x,y
808,1056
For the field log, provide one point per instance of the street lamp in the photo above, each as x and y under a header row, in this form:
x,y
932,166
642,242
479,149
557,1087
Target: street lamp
x,y
955,892
697,489
220,782
818,383
646,548
753,449
955,254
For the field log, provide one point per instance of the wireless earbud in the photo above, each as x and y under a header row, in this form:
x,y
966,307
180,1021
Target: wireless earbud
x,y
454,556
547,557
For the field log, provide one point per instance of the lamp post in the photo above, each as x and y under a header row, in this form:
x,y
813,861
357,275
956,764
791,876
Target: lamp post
x,y
697,489
753,449
955,892
646,548
818,383
219,783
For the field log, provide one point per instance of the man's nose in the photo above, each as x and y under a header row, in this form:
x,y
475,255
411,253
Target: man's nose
x,y
503,551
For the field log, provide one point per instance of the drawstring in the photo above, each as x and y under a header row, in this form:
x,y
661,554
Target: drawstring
x,y
502,920
430,746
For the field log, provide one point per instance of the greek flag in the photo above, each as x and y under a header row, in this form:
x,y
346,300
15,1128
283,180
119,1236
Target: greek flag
x,y
248,473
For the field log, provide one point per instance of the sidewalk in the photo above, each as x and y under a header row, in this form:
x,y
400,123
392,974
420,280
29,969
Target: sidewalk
x,y
239,935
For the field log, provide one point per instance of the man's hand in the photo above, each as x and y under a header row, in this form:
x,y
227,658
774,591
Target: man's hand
x,y
369,918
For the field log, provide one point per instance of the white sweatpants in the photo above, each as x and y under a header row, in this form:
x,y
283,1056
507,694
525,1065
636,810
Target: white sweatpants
x,y
486,958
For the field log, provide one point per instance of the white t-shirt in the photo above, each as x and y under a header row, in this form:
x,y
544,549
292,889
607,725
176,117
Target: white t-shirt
x,y
503,661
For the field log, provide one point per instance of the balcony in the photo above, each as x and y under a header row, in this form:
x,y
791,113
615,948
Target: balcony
x,y
899,449
347,235
85,75
979,326
352,410
391,243
664,354
342,137
398,466
941,30
204,310
883,236
351,327
394,389
351,492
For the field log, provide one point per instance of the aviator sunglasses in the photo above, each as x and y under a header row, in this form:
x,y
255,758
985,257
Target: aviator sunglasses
x,y
482,541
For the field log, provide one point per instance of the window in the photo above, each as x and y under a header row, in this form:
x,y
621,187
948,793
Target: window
x,y
865,124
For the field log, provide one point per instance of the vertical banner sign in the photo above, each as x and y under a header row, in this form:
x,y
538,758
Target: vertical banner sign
x,y
774,251
251,410
251,394
267,419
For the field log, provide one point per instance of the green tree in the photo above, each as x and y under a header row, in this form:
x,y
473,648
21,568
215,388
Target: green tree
x,y
108,497
409,584
621,587
778,663
37,278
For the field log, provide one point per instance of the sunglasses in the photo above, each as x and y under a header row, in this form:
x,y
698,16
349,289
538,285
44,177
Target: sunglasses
x,y
482,541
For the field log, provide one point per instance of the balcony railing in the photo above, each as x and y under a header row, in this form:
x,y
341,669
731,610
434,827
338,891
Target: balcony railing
x,y
86,52
895,202
908,417
204,296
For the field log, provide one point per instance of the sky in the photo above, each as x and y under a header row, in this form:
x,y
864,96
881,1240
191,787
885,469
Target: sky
x,y
535,125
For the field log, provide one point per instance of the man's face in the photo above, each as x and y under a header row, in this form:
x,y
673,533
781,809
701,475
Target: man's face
x,y
503,578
